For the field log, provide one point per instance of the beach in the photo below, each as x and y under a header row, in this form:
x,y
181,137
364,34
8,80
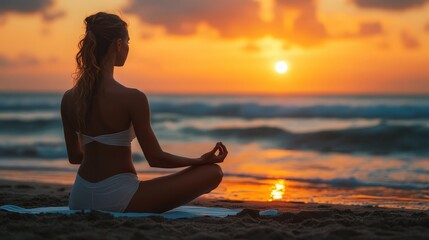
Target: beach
x,y
297,220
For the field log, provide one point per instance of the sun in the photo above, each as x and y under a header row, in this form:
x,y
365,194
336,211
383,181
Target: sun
x,y
281,67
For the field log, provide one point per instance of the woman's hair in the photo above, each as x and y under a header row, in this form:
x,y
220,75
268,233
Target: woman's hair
x,y
101,30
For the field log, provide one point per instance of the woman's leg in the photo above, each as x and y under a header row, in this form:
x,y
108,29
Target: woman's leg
x,y
164,193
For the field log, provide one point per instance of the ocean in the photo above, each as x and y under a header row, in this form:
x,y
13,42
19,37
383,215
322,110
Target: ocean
x,y
358,150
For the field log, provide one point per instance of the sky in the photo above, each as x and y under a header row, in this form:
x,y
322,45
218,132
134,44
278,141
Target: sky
x,y
227,46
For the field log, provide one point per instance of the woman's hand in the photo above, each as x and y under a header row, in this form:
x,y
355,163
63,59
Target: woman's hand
x,y
211,156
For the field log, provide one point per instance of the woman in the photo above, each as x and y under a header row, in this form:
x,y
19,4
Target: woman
x,y
100,119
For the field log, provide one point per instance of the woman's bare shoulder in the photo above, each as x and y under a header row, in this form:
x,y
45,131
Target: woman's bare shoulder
x,y
67,103
136,95
130,98
127,92
67,97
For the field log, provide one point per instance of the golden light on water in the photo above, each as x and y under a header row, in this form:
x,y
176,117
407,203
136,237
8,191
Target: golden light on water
x,y
278,190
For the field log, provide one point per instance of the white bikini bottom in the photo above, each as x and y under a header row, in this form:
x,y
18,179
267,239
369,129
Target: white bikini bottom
x,y
111,194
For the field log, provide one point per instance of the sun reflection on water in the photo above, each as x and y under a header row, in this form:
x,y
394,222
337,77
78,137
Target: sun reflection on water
x,y
277,190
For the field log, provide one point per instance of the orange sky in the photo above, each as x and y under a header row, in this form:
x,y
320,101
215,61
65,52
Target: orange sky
x,y
228,46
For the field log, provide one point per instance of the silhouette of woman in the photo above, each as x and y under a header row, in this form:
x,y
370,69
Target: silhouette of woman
x,y
101,117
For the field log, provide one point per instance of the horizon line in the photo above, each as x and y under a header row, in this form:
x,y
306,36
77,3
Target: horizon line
x,y
239,93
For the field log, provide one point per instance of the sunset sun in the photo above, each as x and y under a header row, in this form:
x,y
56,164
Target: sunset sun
x,y
281,67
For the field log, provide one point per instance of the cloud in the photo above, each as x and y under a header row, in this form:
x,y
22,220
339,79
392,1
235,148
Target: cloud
x,y
24,6
390,4
307,29
368,29
233,18
44,7
409,41
2,20
21,60
52,15
182,18
252,47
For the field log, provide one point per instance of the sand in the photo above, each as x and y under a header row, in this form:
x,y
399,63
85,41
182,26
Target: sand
x,y
297,221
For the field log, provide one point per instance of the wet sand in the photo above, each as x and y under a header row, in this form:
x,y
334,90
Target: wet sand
x,y
296,221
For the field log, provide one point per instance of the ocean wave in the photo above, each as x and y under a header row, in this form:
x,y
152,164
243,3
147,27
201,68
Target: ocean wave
x,y
38,168
29,125
36,150
345,183
43,151
30,106
254,110
339,182
355,183
19,125
375,107
382,139
29,101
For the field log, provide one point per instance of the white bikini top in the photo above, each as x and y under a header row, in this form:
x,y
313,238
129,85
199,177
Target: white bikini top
x,y
122,138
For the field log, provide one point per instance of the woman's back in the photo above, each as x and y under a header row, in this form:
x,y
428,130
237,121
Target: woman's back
x,y
109,114
102,111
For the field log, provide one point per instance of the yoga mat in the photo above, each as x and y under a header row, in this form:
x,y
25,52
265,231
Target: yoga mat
x,y
179,212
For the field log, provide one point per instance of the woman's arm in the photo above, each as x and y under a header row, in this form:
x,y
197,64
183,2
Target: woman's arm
x,y
74,150
156,157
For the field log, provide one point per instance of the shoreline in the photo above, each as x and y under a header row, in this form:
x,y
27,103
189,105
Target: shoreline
x,y
47,187
297,220
61,190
